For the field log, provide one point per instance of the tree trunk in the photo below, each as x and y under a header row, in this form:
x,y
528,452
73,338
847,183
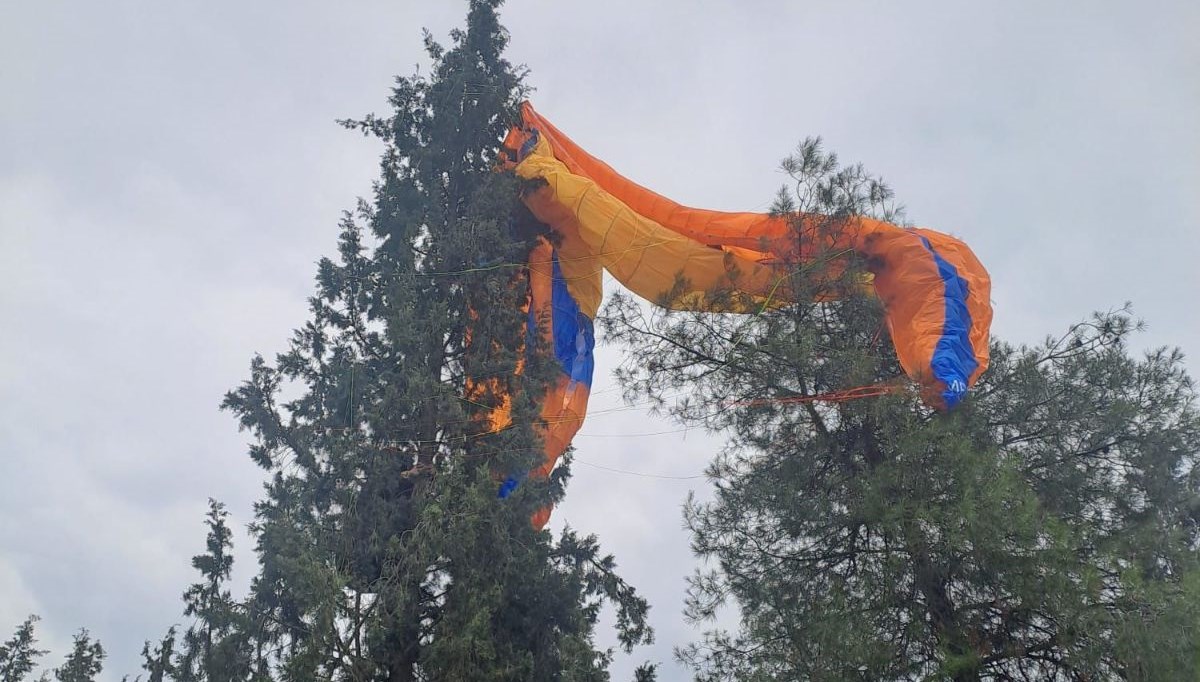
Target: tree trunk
x,y
403,641
932,580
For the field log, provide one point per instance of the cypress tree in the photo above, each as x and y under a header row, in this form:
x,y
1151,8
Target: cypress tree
x,y
1045,529
219,643
384,552
19,654
85,661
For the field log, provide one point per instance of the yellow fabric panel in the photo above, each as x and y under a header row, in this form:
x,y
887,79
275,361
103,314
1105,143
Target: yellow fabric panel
x,y
600,231
583,271
757,235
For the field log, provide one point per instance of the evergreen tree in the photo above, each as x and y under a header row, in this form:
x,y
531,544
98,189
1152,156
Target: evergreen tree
x,y
219,644
1045,529
159,660
85,661
384,553
19,655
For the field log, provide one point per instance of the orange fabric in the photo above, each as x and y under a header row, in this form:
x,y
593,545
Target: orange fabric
x,y
481,392
754,232
907,278
564,405
605,221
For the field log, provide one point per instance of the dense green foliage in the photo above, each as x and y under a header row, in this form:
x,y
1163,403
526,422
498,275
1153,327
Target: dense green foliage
x,y
384,552
1046,529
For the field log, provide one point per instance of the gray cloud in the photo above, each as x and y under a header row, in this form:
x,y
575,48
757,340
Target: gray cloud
x,y
169,174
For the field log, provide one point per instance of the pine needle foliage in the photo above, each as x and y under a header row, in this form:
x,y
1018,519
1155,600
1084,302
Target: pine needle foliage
x,y
1046,529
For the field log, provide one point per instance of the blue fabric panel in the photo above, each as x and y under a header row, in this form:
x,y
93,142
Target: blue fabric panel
x,y
574,337
509,485
953,357
574,342
528,146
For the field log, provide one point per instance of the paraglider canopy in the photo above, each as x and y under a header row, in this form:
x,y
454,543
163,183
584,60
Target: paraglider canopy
x,y
934,291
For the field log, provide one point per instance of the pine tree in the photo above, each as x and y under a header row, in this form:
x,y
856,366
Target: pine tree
x,y
19,655
1045,529
85,661
384,553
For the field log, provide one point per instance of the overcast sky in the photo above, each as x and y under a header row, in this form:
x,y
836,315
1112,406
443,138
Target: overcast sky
x,y
171,172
